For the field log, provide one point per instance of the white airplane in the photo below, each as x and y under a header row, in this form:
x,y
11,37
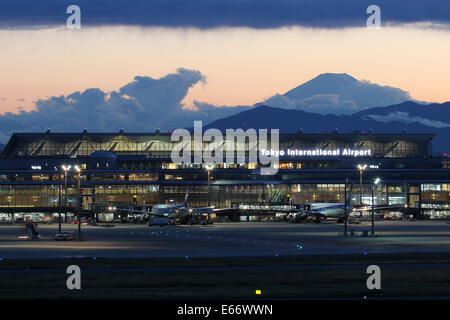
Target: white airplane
x,y
182,213
321,211
176,213
328,210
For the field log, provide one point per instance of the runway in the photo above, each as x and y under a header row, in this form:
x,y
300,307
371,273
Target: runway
x,y
226,239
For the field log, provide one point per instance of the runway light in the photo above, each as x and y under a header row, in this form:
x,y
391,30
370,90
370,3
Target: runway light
x,y
258,292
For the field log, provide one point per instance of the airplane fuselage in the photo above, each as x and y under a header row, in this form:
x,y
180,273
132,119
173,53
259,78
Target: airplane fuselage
x,y
329,210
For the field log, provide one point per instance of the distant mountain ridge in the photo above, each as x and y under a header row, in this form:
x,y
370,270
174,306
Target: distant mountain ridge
x,y
291,121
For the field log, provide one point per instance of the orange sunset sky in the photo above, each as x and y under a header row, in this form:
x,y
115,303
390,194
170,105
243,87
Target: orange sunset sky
x,y
242,66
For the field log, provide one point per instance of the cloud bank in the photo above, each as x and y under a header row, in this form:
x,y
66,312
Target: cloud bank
x,y
145,104
223,13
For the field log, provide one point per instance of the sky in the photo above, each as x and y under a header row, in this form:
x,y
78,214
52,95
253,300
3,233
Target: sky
x,y
206,54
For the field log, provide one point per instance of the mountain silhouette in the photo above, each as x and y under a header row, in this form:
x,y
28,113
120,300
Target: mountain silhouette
x,y
291,121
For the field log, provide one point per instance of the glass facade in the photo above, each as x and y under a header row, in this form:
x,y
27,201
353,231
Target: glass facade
x,y
47,195
159,145
136,169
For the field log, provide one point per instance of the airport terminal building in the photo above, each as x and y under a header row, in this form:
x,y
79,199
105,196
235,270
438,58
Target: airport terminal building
x,y
136,169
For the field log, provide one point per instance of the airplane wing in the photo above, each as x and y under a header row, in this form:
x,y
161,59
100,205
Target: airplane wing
x,y
378,208
132,211
202,210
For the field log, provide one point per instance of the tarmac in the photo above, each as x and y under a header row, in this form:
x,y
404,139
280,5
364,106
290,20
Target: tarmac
x,y
226,239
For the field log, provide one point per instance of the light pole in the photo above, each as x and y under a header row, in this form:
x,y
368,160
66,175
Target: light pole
x,y
78,170
377,180
59,200
361,168
345,207
65,168
208,169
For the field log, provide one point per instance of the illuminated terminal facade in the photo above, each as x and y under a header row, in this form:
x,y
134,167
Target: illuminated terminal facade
x,y
136,169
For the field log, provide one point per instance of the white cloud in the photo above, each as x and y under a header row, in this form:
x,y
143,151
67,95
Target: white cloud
x,y
338,94
320,103
406,118
145,104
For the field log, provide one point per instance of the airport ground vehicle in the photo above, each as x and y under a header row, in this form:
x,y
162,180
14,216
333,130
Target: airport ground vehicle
x,y
64,235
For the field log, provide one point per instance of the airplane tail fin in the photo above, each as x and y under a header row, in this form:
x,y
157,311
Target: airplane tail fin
x,y
186,197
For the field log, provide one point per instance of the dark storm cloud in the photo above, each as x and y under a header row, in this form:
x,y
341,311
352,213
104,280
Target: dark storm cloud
x,y
219,13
